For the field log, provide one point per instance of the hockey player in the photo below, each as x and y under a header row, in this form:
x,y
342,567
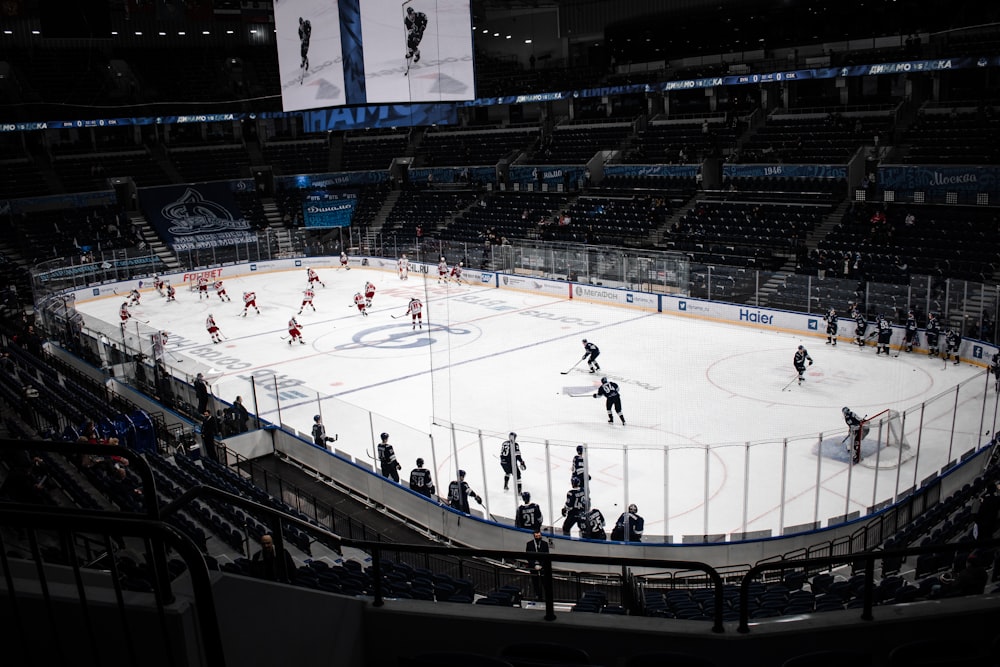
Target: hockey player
x,y
579,467
387,459
933,333
593,525
529,514
307,299
134,297
953,338
995,367
459,492
590,353
359,301
343,261
305,34
295,331
420,480
171,292
442,271
213,329
799,361
124,314
220,291
832,324
202,286
403,265
320,438
884,328
910,332
511,462
575,507
856,435
249,301
629,526
415,311
456,273
860,327
313,277
369,293
158,284
415,24
613,399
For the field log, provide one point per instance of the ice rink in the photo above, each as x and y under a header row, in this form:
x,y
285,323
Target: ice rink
x,y
703,451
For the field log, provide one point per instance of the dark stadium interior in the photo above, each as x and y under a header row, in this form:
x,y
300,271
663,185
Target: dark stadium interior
x,y
770,189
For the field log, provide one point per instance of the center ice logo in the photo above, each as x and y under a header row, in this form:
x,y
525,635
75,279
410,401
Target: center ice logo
x,y
193,214
390,337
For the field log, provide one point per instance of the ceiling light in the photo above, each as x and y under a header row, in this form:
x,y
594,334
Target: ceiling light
x,y
205,32
35,32
527,41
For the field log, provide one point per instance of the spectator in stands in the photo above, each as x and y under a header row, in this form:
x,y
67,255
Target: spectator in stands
x,y
537,545
201,392
209,430
271,562
240,415
986,515
971,580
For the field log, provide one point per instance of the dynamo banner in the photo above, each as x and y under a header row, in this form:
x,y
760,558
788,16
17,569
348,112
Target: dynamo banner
x,y
552,175
680,170
939,178
833,171
329,209
344,178
193,217
385,115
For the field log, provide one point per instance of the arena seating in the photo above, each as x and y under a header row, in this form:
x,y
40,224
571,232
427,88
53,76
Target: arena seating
x,y
198,164
372,150
424,208
575,144
465,148
508,214
830,138
298,157
665,141
955,135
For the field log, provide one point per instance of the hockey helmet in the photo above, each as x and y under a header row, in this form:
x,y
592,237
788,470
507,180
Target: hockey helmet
x,y
460,263
409,10
512,435
575,481
846,411
579,449
442,258
802,347
316,418
384,436
461,473
584,340
604,380
526,497
420,463
632,508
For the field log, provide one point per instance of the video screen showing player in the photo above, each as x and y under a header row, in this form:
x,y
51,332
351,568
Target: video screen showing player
x,y
310,60
417,50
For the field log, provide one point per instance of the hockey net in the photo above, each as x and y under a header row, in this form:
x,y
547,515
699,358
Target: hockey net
x,y
884,444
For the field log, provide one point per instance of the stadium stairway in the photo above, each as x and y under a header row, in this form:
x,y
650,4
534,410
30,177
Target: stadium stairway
x,y
151,239
383,213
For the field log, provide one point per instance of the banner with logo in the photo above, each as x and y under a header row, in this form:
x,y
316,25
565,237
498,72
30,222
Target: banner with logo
x,y
192,217
346,178
833,171
681,170
329,209
551,175
935,178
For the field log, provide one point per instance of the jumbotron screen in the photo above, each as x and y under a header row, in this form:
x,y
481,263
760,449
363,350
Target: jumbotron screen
x,y
354,52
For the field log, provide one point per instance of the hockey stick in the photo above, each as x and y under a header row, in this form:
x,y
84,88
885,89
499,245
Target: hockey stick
x,y
570,368
790,383
396,317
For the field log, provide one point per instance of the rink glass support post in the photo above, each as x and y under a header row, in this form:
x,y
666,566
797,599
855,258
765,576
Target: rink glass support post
x,y
434,462
850,479
819,469
454,454
548,484
920,433
666,491
784,483
482,466
899,454
878,456
746,483
625,481
986,392
585,482
708,462
954,415
278,396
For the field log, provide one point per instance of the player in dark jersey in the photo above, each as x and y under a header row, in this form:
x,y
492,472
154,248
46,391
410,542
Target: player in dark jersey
x,y
884,328
415,24
832,324
629,526
995,367
857,433
529,515
910,332
613,399
933,333
860,327
953,338
511,461
387,459
799,361
593,525
574,509
305,34
420,480
579,467
459,492
590,353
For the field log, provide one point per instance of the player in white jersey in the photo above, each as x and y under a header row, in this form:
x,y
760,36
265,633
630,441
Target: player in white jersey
x,y
213,329
343,261
202,287
249,301
403,265
359,301
295,331
442,271
133,297
369,293
456,273
123,313
171,292
221,291
313,276
415,311
307,299
158,284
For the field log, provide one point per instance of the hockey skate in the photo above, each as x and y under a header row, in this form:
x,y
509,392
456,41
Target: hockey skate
x,y
622,417
611,420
